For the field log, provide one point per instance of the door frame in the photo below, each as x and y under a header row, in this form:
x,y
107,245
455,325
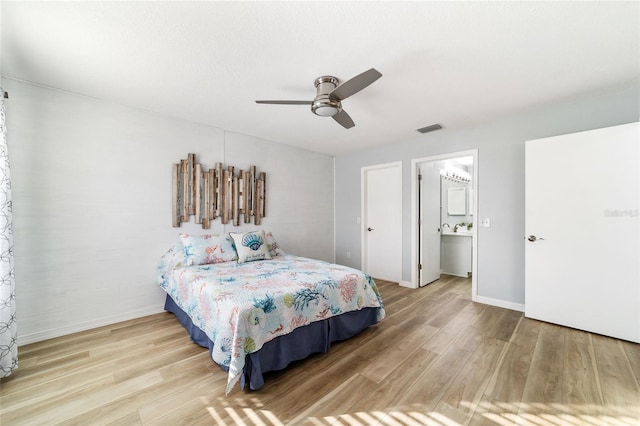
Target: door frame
x,y
414,215
363,211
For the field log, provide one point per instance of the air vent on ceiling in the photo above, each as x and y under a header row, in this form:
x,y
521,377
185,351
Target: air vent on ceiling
x,y
431,128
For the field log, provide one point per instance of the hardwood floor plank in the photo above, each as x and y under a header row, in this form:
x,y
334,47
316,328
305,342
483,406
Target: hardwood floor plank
x,y
432,384
506,387
448,312
70,409
382,366
632,350
526,333
337,403
40,374
461,288
333,376
448,334
580,385
386,394
390,337
30,395
497,322
170,404
22,412
466,391
111,411
192,412
546,374
155,360
422,303
131,419
171,390
61,343
620,390
438,359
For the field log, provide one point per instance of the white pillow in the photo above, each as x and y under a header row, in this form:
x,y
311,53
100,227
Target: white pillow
x,y
250,246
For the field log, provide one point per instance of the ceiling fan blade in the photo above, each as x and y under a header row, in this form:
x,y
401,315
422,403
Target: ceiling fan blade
x,y
344,119
285,102
356,84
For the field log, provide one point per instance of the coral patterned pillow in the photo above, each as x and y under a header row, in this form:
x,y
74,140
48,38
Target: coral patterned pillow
x,y
206,249
250,246
272,244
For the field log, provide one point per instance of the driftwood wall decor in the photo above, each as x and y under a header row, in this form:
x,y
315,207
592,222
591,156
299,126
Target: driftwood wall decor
x,y
217,192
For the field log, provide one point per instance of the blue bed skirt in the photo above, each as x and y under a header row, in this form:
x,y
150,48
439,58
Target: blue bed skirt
x,y
281,351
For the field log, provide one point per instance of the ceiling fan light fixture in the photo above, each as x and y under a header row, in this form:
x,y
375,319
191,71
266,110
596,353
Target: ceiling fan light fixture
x,y
325,110
325,107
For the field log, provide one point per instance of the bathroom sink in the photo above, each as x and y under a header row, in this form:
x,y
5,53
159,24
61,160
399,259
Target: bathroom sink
x,y
460,232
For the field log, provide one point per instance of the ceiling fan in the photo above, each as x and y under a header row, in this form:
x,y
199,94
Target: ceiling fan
x,y
329,97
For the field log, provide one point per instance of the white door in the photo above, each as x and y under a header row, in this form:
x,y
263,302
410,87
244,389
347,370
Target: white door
x,y
382,221
429,222
582,251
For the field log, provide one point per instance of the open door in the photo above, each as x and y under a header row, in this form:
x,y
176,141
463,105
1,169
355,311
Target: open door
x,y
582,233
429,222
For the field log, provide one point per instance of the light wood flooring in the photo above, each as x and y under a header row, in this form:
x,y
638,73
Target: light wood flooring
x,y
437,359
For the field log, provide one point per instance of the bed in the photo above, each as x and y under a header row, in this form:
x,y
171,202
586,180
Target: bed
x,y
258,309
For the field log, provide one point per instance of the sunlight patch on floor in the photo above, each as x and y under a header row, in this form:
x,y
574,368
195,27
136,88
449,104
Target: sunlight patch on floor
x,y
499,413
556,414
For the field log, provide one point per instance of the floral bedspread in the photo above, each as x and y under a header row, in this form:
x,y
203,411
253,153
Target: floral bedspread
x,y
243,306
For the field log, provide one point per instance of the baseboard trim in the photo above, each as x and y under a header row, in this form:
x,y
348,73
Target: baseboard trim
x,y
84,326
407,284
465,275
500,303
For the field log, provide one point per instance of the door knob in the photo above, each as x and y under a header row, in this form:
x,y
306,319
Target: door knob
x,y
369,229
533,238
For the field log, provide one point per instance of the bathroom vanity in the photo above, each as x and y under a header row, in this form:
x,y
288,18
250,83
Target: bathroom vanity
x,y
456,249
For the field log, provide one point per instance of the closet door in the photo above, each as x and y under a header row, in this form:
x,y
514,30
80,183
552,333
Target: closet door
x,y
582,231
382,221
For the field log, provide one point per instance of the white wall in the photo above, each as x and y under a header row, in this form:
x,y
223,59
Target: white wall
x,y
300,194
500,145
92,204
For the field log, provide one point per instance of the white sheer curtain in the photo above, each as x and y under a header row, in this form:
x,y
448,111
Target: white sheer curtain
x,y
8,332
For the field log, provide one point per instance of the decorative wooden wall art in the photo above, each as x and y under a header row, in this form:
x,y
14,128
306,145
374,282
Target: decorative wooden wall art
x,y
217,192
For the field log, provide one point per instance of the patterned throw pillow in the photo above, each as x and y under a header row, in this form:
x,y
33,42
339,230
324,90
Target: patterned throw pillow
x,y
250,246
206,249
174,258
272,245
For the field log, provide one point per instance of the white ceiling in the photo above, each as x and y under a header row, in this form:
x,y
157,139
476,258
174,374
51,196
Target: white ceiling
x,y
455,63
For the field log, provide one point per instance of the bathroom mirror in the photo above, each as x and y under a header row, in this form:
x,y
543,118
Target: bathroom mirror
x,y
456,201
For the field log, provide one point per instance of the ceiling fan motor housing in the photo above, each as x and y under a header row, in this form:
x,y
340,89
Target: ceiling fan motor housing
x,y
323,105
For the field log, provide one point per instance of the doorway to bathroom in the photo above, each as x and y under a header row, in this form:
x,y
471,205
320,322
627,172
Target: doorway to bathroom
x,y
443,208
